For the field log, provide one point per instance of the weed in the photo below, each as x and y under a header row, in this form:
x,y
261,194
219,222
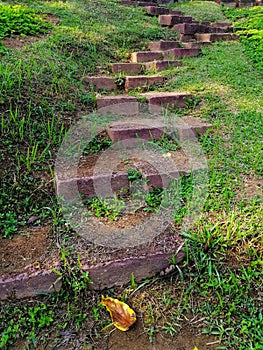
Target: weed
x,y
133,175
108,207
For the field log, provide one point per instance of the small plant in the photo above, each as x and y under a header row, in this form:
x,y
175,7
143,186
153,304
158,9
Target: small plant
x,y
167,143
153,199
120,81
97,144
109,207
133,175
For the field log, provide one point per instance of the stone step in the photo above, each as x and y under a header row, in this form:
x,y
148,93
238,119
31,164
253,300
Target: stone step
x,y
181,52
146,56
195,44
137,3
226,26
130,82
29,283
192,128
145,3
186,37
149,129
141,265
120,104
176,13
126,136
100,83
156,10
166,99
163,45
129,104
171,20
142,81
133,68
216,37
190,28
159,66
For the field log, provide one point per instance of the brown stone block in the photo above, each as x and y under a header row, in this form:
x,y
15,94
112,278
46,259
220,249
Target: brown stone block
x,y
142,81
146,56
195,44
122,131
163,45
126,68
187,28
166,99
170,20
29,284
156,11
181,53
216,37
162,65
186,37
118,272
192,128
100,83
121,105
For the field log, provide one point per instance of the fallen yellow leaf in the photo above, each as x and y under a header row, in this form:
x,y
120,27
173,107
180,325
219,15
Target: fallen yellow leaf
x,y
195,348
121,314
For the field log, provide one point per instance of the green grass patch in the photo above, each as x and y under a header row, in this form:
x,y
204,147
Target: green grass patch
x,y
202,11
249,23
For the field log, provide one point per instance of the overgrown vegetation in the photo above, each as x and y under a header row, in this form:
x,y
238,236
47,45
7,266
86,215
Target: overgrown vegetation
x,y
249,24
19,20
41,96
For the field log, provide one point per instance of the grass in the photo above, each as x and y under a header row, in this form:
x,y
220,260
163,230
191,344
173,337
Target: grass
x,y
41,96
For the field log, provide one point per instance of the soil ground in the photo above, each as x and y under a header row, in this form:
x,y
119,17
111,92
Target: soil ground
x,y
134,339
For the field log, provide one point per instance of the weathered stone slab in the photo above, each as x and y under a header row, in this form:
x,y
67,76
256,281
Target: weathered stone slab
x,y
187,28
166,99
85,185
29,284
119,272
120,104
156,10
192,128
143,81
181,53
133,68
163,65
122,131
216,37
146,56
186,37
195,44
163,45
100,83
171,20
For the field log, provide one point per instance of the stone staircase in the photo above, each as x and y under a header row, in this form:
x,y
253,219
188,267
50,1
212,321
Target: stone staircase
x,y
113,95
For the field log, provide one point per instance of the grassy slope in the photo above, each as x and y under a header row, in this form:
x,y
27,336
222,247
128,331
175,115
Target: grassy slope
x,y
41,96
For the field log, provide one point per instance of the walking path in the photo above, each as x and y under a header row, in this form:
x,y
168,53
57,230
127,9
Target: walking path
x,y
143,77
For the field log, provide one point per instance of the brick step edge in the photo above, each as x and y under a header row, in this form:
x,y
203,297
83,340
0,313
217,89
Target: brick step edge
x,y
103,275
139,68
118,273
119,183
128,82
29,284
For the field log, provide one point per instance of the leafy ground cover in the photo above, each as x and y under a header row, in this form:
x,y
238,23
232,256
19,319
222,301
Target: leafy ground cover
x,y
218,288
249,23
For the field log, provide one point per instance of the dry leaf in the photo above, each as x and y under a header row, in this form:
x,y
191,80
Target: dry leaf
x,y
121,314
